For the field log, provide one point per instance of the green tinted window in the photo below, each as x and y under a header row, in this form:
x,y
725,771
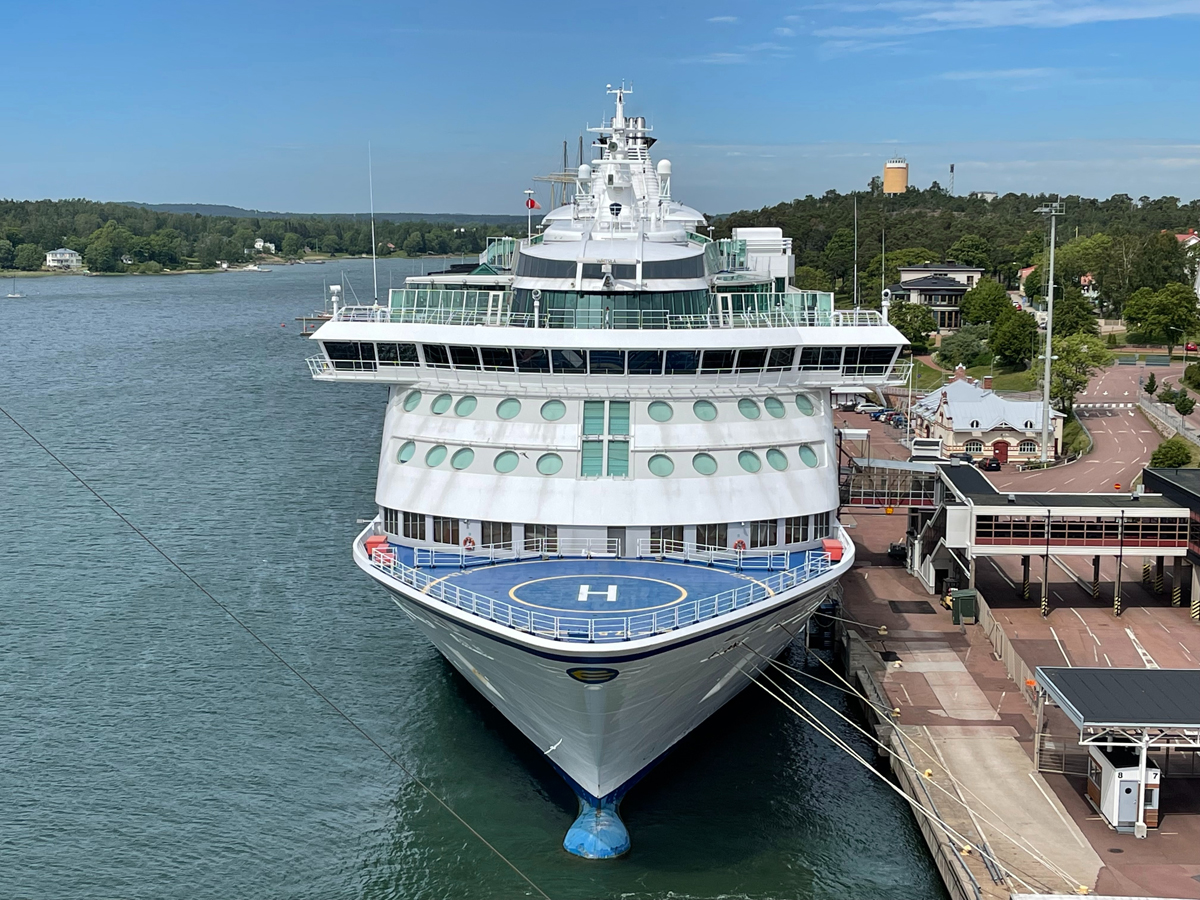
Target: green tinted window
x,y
804,404
777,459
440,404
704,410
406,452
465,405
660,411
704,464
553,410
411,401
618,417
592,461
749,408
618,458
774,407
508,408
505,462
749,461
808,456
661,465
593,417
435,456
549,464
462,458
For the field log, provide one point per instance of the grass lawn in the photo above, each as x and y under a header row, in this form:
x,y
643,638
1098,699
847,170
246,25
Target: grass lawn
x,y
1006,379
927,377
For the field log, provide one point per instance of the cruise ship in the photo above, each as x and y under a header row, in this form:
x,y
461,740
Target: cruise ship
x,y
608,481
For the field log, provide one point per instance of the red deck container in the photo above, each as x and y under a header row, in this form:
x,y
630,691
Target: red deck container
x,y
833,548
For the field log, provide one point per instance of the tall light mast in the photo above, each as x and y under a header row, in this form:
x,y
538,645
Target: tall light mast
x,y
1053,210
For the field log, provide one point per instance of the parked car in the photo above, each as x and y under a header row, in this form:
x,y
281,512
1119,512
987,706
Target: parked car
x,y
898,421
991,464
868,408
898,551
965,457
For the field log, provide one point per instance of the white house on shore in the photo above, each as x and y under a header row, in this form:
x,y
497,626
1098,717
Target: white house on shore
x,y
939,286
970,417
62,258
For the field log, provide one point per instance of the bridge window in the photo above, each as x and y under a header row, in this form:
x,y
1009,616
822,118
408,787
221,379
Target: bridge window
x,y
414,526
868,360
497,359
820,358
445,530
781,358
569,362
717,361
465,357
973,446
397,354
529,266
764,533
751,360
607,362
1027,447
682,362
353,356
645,362
436,356
533,361
619,270
687,267
713,536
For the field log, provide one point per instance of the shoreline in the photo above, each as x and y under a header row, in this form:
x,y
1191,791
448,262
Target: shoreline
x,y
46,273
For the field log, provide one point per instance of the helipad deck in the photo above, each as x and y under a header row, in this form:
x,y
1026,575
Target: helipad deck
x,y
597,599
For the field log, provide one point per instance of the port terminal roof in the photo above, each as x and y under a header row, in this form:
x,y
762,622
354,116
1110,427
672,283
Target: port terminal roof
x,y
1109,698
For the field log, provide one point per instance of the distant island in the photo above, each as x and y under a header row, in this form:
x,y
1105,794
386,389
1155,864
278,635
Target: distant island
x,y
79,235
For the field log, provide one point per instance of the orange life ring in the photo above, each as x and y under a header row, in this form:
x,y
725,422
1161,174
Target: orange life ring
x,y
739,544
468,543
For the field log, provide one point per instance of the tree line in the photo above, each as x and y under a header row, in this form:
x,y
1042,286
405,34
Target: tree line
x,y
114,237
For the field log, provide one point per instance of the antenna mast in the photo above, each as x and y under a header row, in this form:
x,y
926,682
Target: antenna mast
x,y
1053,210
856,249
371,188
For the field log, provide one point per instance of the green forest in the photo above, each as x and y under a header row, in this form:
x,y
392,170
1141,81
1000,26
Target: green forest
x,y
115,237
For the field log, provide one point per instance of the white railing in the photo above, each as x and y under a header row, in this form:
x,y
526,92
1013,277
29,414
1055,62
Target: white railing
x,y
531,548
640,320
757,558
600,628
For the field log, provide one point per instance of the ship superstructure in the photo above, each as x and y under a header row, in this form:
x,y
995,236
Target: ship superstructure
x,y
608,485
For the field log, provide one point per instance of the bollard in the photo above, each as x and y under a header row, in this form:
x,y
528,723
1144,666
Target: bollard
x,y
1095,577
1158,575
1025,577
1176,579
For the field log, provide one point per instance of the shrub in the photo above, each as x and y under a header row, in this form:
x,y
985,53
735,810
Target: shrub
x,y
1191,375
1173,453
1184,404
1151,385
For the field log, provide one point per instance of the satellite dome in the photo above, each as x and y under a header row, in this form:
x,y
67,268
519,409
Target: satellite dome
x,y
664,168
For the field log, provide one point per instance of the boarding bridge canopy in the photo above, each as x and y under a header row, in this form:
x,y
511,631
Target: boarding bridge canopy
x,y
889,483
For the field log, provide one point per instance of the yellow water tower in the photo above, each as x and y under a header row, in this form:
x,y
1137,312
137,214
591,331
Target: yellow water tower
x,y
895,176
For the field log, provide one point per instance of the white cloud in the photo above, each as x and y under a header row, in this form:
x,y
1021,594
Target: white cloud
x,y
784,32
999,74
724,20
911,17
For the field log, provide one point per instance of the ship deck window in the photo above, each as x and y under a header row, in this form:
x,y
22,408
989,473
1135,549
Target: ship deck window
x,y
569,362
672,534
497,359
436,356
764,533
751,360
795,530
397,354
619,270
781,358
607,362
353,356
717,361
716,536
645,362
867,360
687,267
496,534
465,357
529,266
414,526
682,362
593,417
445,530
618,458
591,460
533,361
618,417
813,358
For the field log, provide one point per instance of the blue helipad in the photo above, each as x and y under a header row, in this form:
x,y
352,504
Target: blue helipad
x,y
598,585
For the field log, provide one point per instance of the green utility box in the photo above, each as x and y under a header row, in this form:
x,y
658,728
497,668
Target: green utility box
x,y
965,605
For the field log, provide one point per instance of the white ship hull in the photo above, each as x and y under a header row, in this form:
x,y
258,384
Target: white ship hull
x,y
604,736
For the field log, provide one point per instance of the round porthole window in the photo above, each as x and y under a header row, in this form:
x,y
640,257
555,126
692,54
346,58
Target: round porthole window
x,y
749,408
462,458
704,411
411,401
440,404
808,456
774,407
804,404
465,405
552,411
436,456
660,411
704,463
777,459
661,465
549,464
505,462
407,450
508,408
749,461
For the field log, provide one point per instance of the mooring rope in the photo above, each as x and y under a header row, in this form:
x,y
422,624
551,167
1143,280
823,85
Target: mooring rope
x,y
278,657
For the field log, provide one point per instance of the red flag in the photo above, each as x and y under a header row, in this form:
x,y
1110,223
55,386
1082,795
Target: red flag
x,y
530,203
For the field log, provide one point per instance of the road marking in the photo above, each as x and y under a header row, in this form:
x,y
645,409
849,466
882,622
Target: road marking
x,y
1074,832
1000,571
1064,652
1137,645
1085,625
1107,660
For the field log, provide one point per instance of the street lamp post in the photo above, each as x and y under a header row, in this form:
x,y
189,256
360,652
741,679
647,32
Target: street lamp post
x,y
1053,210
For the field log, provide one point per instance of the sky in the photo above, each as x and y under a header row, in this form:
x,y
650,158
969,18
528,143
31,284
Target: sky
x,y
274,106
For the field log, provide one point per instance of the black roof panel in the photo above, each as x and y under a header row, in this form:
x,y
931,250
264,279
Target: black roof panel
x,y
1135,698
